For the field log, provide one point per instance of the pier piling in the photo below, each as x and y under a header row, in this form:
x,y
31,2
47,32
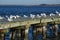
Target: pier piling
x,y
56,29
44,32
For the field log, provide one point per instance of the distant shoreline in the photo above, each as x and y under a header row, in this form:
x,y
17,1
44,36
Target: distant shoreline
x,y
34,5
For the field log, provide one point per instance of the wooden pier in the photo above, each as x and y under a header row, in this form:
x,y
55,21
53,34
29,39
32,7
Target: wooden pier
x,y
38,23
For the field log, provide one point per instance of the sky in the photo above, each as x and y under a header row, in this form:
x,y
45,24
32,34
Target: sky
x,y
28,2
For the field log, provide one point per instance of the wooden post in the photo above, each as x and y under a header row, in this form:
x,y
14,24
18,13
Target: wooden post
x,y
12,34
26,31
56,29
44,32
19,34
34,33
26,34
22,34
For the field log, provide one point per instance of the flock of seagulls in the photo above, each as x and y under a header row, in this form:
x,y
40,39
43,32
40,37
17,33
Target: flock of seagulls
x,y
11,17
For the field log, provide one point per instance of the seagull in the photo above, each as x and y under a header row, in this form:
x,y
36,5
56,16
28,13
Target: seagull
x,y
6,16
25,16
9,19
38,16
57,12
43,14
11,16
1,18
17,16
32,16
52,14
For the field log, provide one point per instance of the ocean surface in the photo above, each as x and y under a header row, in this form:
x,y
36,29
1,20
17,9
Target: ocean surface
x,y
27,10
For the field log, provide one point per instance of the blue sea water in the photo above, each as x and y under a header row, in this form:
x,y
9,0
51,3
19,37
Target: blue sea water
x,y
21,10
27,10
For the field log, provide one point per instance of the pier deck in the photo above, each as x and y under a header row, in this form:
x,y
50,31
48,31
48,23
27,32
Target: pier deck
x,y
45,20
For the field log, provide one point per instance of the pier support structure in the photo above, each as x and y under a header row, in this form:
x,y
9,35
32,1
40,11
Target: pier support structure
x,y
26,31
22,34
54,26
39,29
56,29
44,32
34,33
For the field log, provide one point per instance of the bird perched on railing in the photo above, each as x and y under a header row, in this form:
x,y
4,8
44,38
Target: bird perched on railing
x,y
38,16
1,17
32,16
57,13
11,16
52,14
9,19
43,14
17,16
25,16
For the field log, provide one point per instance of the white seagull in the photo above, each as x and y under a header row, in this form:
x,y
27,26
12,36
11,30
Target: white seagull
x,y
1,18
43,14
9,19
11,16
17,16
38,16
57,12
32,16
25,16
51,14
